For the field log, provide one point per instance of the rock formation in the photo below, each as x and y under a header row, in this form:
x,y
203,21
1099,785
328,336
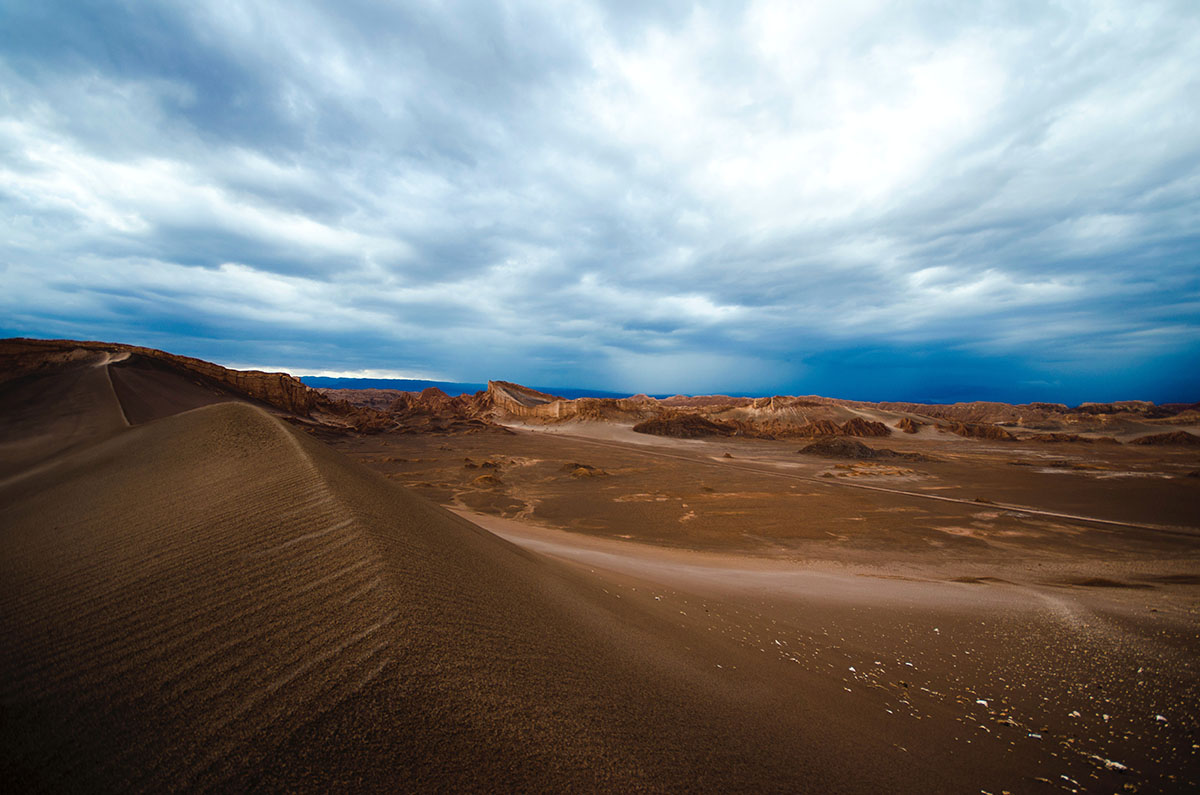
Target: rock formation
x,y
20,357
972,430
856,426
842,447
777,417
685,426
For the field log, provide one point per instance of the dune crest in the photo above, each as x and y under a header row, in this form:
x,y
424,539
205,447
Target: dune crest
x,y
212,599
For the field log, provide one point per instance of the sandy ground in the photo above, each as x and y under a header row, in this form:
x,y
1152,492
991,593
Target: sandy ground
x,y
194,595
1022,575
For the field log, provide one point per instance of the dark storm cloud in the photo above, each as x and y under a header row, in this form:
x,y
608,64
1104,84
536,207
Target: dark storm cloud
x,y
686,197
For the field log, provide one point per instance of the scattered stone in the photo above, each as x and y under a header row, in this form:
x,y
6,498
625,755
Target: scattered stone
x,y
578,470
1108,764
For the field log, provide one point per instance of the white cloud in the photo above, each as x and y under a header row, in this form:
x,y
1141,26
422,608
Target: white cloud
x,y
553,187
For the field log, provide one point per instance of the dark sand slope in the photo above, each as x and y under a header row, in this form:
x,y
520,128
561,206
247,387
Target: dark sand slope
x,y
211,600
42,416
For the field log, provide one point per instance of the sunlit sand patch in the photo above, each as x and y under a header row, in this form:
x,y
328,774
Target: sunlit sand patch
x,y
861,469
1127,474
643,497
959,530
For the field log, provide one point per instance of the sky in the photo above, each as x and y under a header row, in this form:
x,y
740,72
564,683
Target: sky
x,y
930,201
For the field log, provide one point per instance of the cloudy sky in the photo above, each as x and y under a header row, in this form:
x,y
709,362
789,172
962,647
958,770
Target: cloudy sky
x,y
934,201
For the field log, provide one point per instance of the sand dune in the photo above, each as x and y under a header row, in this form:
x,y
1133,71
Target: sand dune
x,y
196,595
48,414
211,600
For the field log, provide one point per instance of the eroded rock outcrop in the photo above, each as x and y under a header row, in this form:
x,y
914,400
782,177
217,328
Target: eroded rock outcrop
x,y
685,426
852,427
20,357
843,447
971,430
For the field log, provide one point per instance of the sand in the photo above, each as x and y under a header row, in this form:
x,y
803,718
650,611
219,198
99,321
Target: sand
x,y
202,597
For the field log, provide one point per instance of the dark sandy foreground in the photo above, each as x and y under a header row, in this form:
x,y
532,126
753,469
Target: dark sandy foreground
x,y
210,600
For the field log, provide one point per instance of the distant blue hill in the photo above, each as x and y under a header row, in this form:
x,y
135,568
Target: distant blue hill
x,y
449,387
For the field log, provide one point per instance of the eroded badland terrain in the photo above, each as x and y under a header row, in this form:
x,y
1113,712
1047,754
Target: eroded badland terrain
x,y
216,579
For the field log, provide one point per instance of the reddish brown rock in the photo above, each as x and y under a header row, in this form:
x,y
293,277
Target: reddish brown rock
x,y
843,447
860,427
20,357
852,427
978,431
685,426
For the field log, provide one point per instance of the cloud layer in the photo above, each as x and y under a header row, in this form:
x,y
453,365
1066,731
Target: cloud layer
x,y
887,200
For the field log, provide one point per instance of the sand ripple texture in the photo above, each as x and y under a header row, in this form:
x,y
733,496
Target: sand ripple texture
x,y
213,601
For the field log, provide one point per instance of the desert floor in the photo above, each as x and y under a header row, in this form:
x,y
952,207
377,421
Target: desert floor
x,y
1038,600
195,594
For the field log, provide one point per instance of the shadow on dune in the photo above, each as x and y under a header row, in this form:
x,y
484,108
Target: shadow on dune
x,y
210,599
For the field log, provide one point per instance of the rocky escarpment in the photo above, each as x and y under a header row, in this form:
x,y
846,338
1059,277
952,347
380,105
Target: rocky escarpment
x,y
370,398
277,389
19,357
433,411
506,400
